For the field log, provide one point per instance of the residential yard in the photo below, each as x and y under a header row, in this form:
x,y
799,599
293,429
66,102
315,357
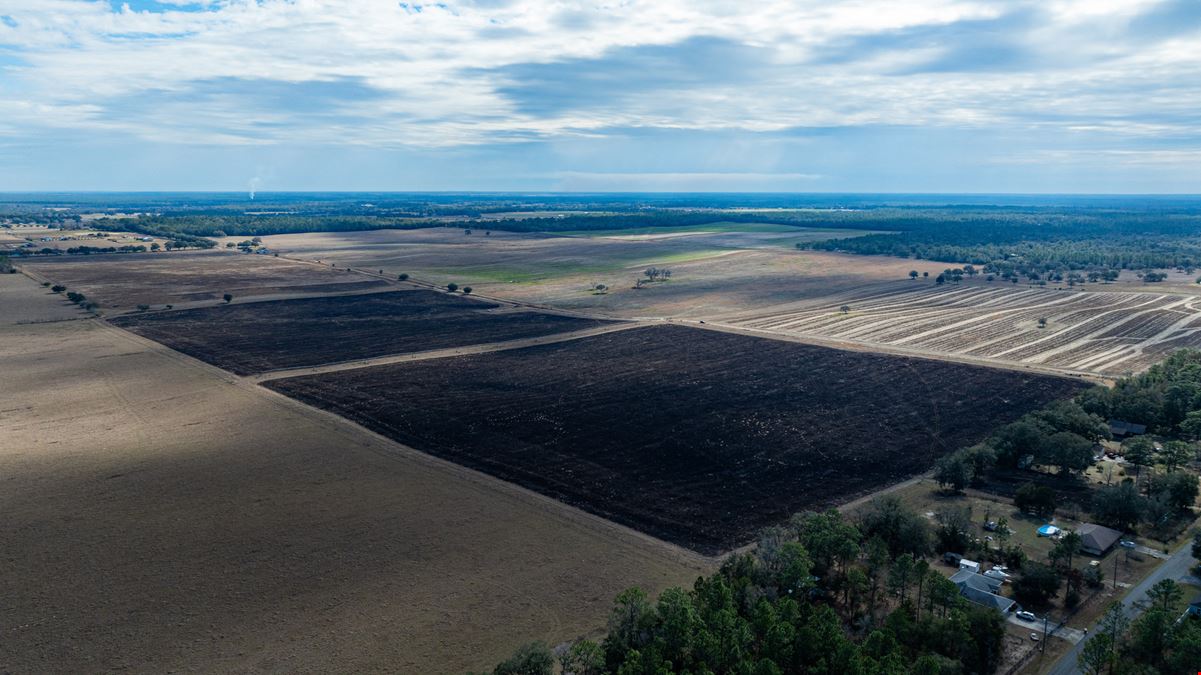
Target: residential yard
x,y
1131,566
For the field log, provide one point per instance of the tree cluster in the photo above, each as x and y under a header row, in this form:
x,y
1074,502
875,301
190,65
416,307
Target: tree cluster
x,y
820,595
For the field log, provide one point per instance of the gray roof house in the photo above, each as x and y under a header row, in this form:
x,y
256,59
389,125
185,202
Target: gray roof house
x,y
982,590
1097,539
1121,428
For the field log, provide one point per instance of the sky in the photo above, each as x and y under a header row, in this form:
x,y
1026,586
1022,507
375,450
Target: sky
x,y
992,96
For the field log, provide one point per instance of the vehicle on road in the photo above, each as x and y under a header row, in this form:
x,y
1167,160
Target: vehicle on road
x,y
1027,616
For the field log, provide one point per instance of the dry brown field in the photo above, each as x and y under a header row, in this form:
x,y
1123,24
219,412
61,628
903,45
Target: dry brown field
x,y
121,282
713,273
161,515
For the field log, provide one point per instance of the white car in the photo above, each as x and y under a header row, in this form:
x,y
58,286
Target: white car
x,y
1026,616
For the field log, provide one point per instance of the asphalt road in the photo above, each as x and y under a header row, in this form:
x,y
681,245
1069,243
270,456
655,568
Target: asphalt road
x,y
1176,567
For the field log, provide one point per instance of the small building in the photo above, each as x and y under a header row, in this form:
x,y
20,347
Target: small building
x,y
982,590
969,565
1122,428
951,558
1097,539
1194,608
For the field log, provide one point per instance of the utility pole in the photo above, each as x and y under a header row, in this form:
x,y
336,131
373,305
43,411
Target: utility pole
x,y
1043,646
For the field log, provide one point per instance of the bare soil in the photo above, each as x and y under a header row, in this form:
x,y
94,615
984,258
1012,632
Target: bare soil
x,y
697,437
162,516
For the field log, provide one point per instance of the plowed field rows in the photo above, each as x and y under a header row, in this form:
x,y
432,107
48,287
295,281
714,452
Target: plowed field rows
x,y
1107,333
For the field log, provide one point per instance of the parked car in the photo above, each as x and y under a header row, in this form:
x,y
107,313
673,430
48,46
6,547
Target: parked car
x,y
1126,543
1034,636
1026,616
995,573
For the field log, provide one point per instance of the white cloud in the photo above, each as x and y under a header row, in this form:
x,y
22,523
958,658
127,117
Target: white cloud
x,y
447,74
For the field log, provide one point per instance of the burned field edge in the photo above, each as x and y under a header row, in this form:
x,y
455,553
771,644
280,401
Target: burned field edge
x,y
696,437
263,336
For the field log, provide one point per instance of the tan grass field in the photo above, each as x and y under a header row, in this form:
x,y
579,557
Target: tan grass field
x,y
160,515
120,282
715,273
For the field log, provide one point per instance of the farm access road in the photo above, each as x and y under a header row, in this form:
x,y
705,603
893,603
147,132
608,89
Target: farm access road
x,y
441,353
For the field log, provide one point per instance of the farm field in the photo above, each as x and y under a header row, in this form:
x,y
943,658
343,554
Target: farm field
x,y
711,277
696,437
261,336
160,516
121,282
1107,333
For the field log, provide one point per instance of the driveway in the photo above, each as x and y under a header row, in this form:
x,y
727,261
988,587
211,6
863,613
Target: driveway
x,y
1175,567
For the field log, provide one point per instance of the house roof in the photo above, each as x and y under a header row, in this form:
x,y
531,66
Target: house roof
x,y
1097,539
1122,427
997,602
969,579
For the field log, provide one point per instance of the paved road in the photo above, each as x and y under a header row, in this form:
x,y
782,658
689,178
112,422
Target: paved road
x,y
1175,567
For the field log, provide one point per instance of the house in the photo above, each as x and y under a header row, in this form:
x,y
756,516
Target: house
x,y
1194,607
1120,428
982,590
1097,539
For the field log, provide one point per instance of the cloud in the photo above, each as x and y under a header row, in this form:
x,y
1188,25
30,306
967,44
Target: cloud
x,y
507,76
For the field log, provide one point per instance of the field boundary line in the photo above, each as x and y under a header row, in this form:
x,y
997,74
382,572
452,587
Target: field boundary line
x,y
449,352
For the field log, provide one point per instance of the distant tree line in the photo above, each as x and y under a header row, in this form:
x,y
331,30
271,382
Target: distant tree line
x,y
1021,242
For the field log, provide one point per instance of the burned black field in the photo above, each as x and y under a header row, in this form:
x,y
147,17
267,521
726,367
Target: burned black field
x,y
697,437
262,336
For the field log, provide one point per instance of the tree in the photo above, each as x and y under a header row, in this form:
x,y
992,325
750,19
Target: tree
x,y
1036,499
1068,451
227,298
900,575
629,624
926,275
1176,454
902,529
1036,584
1119,506
583,658
143,308
58,288
1165,593
402,276
1179,490
1042,322
954,529
1097,653
1065,549
452,287
940,279
534,658
1190,427
952,472
912,274
466,290
845,309
1140,452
